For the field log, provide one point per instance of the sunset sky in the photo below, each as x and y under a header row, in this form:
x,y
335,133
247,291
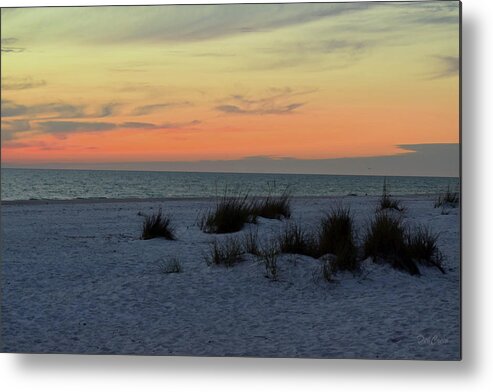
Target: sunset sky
x,y
201,86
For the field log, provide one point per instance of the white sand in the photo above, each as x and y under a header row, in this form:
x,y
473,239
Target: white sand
x,y
77,279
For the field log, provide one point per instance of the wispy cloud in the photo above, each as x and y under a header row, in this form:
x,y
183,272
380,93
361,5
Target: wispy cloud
x,y
16,126
273,109
11,109
62,110
138,125
21,83
168,125
56,110
62,129
277,101
33,144
155,24
147,109
106,110
332,53
6,48
447,66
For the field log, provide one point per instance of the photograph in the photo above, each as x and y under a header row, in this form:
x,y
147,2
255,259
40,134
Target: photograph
x,y
272,180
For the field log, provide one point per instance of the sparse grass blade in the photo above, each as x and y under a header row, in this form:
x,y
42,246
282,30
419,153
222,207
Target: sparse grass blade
x,y
227,252
448,198
294,239
386,202
172,266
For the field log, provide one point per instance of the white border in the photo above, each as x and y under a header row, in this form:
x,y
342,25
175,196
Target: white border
x,y
87,373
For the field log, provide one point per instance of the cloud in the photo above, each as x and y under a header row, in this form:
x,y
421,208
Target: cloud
x,y
277,101
448,66
106,110
178,125
138,125
32,144
6,48
16,126
271,110
64,127
333,53
431,13
415,160
8,41
155,24
146,109
11,109
169,125
57,110
21,83
11,128
324,46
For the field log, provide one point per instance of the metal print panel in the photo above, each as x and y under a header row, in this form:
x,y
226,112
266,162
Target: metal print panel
x,y
262,180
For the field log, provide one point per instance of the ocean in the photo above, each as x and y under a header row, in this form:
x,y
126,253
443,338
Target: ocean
x,y
44,184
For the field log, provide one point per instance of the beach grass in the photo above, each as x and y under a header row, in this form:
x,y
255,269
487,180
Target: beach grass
x,y
157,225
295,239
269,257
172,266
227,252
273,207
422,247
448,198
386,202
229,215
385,240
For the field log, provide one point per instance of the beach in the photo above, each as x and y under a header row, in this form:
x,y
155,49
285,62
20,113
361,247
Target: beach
x,y
77,278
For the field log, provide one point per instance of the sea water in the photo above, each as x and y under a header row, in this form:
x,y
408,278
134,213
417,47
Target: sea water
x,y
45,184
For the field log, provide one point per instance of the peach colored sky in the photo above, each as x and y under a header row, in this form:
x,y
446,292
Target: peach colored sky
x,y
189,83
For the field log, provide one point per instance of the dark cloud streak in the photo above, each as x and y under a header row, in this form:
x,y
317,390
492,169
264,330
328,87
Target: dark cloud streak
x,y
21,84
448,66
280,109
279,101
147,109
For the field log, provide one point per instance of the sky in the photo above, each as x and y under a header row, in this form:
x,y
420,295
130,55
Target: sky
x,y
337,88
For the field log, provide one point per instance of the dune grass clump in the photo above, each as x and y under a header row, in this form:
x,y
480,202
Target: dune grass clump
x,y
346,259
336,236
294,239
273,207
227,253
386,202
269,257
230,215
448,198
336,230
157,225
172,266
422,247
386,240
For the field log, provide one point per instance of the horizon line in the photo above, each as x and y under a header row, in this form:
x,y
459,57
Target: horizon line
x,y
222,172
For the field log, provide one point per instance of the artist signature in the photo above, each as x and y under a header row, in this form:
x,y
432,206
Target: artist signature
x,y
434,340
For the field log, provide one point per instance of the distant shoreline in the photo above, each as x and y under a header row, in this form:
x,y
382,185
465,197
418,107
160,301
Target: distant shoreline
x,y
188,199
